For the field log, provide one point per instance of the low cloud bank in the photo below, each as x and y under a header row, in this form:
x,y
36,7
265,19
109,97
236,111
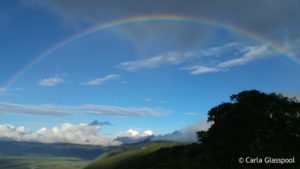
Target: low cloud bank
x,y
187,134
90,133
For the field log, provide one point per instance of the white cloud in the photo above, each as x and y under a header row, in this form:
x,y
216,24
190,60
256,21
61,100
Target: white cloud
x,y
148,133
43,109
198,69
134,136
56,110
100,81
83,133
136,133
187,134
129,133
219,50
249,53
122,111
50,82
90,133
169,58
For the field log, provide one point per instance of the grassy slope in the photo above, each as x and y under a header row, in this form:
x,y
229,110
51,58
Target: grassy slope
x,y
118,156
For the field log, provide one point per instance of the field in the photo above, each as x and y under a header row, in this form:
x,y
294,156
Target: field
x,y
41,162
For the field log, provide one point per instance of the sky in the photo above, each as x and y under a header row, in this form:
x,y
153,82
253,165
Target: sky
x,y
155,77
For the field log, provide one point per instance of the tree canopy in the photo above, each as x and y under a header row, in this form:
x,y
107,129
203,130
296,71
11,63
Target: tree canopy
x,y
252,124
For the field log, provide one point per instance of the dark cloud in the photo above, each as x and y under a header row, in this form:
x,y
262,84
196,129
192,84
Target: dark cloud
x,y
97,123
276,20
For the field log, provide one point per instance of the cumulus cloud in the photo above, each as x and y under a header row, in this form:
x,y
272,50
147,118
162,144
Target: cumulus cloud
x,y
83,133
102,80
50,82
136,133
135,136
90,133
187,134
57,110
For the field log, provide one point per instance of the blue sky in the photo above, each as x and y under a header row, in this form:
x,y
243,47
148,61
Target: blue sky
x,y
158,76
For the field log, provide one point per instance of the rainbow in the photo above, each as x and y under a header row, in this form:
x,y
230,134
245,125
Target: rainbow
x,y
149,18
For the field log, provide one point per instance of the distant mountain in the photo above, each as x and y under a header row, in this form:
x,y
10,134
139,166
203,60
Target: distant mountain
x,y
131,140
86,152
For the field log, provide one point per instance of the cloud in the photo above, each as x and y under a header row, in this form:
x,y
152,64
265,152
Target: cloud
x,y
198,69
249,53
95,123
43,109
58,110
136,133
187,134
83,133
134,136
50,82
176,58
100,81
279,22
237,55
122,111
252,53
169,58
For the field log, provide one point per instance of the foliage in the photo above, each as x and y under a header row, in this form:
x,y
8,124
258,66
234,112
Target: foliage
x,y
253,124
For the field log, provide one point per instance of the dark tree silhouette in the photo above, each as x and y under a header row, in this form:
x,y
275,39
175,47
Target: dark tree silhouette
x,y
252,124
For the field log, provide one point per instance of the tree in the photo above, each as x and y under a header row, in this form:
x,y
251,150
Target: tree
x,y
252,124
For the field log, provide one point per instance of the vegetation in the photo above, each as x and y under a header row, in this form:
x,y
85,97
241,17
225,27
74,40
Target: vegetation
x,y
41,162
119,157
252,124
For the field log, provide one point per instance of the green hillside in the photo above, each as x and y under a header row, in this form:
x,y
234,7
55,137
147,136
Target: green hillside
x,y
116,157
253,125
176,157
